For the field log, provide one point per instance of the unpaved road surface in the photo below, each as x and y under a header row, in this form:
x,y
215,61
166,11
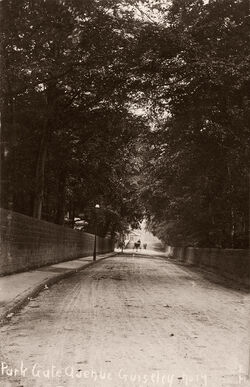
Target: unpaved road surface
x,y
130,321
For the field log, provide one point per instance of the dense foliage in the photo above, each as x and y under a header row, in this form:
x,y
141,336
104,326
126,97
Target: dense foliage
x,y
74,74
68,134
197,158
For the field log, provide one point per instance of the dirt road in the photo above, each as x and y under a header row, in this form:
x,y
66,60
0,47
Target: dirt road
x,y
129,321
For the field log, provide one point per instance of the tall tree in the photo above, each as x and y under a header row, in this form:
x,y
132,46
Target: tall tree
x,y
66,83
199,167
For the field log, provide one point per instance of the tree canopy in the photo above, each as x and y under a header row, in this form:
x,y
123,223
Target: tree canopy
x,y
141,106
68,135
197,157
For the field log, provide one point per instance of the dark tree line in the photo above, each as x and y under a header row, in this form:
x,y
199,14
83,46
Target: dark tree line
x,y
197,159
73,75
67,135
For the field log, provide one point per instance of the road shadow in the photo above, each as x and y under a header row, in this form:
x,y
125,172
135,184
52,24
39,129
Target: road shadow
x,y
208,275
212,277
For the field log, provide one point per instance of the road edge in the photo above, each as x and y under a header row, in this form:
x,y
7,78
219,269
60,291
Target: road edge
x,y
23,299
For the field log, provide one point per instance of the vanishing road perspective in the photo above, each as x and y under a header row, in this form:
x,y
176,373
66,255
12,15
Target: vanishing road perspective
x,y
133,319
124,193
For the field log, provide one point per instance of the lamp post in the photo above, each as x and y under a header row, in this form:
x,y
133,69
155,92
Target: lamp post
x,y
94,252
122,242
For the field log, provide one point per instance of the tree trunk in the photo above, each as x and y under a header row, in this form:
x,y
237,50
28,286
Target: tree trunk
x,y
232,228
8,153
40,174
61,198
232,212
42,155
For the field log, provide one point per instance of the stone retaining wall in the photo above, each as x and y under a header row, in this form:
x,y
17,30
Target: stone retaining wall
x,y
230,263
28,243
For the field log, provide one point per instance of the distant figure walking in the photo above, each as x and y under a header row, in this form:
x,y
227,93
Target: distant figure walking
x,y
144,246
137,245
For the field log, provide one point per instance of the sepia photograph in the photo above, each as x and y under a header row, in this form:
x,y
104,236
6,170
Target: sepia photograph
x,y
124,193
